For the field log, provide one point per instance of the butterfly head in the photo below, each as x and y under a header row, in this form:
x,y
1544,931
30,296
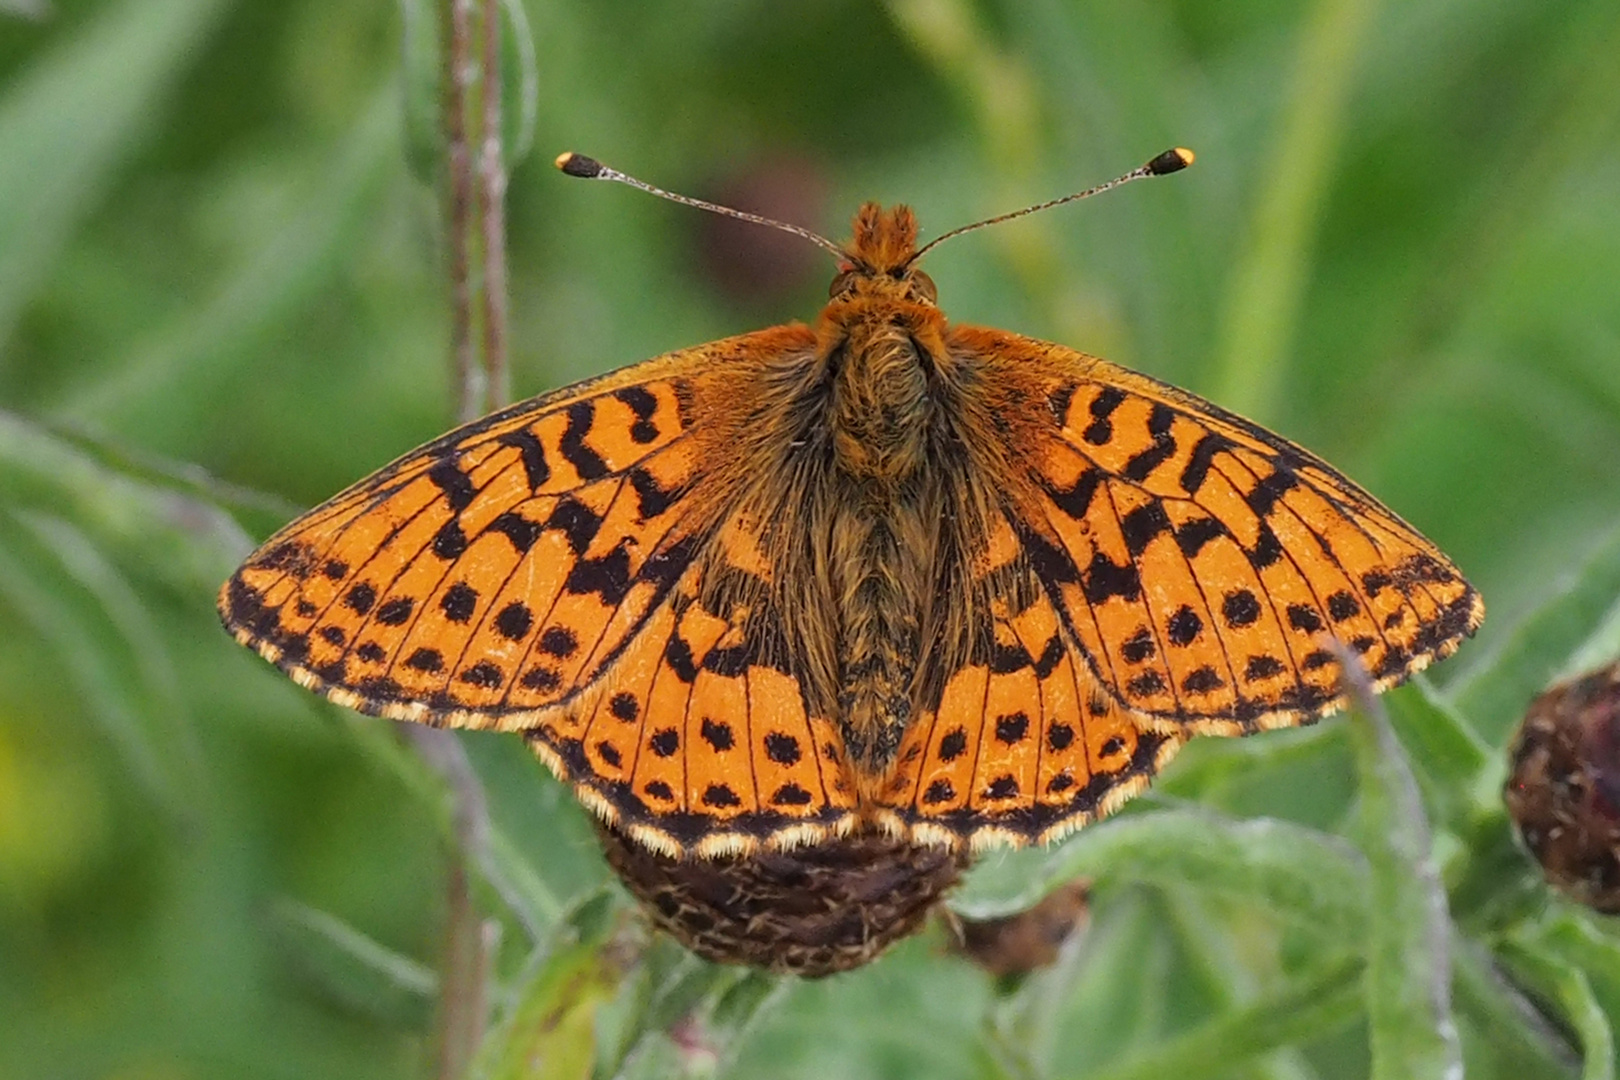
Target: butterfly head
x,y
881,259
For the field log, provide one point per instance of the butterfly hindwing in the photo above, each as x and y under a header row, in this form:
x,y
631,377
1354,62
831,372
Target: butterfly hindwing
x,y
540,570
1200,561
1025,746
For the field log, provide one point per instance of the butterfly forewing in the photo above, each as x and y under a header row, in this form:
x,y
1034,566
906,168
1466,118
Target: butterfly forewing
x,y
1199,562
541,570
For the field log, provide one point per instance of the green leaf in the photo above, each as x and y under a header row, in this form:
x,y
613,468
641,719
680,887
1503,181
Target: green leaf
x,y
549,1033
69,121
1414,1036
1501,1016
1567,985
1498,688
354,969
162,518
1297,874
1295,1013
98,629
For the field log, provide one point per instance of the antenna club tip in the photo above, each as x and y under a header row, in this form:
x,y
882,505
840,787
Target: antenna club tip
x,y
578,165
1173,160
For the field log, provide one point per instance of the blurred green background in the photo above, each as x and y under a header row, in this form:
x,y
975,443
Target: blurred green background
x,y
221,300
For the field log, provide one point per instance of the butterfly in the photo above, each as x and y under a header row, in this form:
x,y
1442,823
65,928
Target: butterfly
x,y
879,575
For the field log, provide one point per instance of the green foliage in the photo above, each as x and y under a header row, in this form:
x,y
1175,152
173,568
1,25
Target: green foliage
x,y
220,277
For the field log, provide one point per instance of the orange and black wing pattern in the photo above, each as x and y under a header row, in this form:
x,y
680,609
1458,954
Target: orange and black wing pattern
x,y
1026,745
1199,561
541,570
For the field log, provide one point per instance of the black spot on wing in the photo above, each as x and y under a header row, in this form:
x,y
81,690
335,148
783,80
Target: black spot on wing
x,y
459,602
516,528
607,575
1141,465
1142,524
1011,729
558,641
1007,658
1203,456
1139,646
576,521
641,402
720,796
1240,608
1194,534
531,453
360,598
449,542
1050,657
1271,488
717,734
1267,548
396,611
456,485
586,462
1075,500
1304,618
1101,429
1105,579
791,794
1183,626
651,500
782,748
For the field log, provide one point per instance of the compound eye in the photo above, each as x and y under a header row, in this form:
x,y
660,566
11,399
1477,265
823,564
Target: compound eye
x,y
923,286
842,283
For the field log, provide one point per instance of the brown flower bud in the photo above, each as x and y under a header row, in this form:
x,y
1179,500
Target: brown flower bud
x,y
1564,789
1017,944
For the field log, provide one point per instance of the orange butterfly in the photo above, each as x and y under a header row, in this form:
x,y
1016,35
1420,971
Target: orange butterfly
x,y
882,575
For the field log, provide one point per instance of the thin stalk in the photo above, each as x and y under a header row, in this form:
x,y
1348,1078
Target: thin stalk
x,y
458,73
475,195
492,214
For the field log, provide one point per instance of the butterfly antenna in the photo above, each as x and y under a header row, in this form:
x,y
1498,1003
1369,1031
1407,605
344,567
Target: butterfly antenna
x,y
1168,162
590,169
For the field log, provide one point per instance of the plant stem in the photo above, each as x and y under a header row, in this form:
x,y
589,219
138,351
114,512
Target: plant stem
x,y
475,221
492,213
456,36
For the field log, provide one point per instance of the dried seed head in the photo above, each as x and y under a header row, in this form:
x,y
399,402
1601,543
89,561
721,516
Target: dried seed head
x,y
1018,944
1564,789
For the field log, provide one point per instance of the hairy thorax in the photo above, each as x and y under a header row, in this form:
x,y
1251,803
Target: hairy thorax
x,y
883,356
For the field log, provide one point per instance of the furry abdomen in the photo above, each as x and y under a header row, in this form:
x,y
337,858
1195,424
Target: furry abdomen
x,y
887,515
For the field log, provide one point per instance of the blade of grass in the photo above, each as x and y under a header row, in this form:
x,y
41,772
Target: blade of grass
x,y
1267,287
96,657
355,969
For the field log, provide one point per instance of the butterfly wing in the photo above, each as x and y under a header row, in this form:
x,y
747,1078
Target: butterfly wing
x,y
1198,560
1025,745
542,570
